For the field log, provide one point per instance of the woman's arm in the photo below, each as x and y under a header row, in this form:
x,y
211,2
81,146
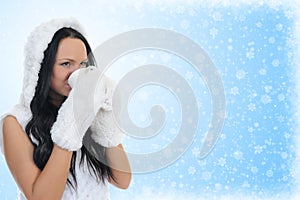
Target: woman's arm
x,y
119,165
35,184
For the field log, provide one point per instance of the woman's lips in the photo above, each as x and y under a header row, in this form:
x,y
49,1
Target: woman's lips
x,y
68,86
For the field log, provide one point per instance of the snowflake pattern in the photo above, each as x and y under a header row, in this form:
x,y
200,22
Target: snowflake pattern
x,y
253,48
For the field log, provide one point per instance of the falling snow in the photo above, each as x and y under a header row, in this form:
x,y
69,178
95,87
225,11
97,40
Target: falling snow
x,y
252,46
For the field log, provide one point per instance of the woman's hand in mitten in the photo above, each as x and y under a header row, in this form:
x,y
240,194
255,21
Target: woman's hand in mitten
x,y
105,128
78,111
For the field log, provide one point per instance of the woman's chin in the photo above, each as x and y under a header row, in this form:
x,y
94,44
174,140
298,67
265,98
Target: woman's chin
x,y
66,94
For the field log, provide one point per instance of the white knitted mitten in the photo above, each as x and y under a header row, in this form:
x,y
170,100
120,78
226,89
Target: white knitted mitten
x,y
77,112
105,127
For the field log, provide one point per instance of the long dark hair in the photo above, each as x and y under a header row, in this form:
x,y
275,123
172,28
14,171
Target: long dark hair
x,y
44,114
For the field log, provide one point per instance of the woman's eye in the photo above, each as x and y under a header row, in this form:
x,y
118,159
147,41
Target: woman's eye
x,y
84,64
65,64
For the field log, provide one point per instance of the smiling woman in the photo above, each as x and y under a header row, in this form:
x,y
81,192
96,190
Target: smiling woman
x,y
42,131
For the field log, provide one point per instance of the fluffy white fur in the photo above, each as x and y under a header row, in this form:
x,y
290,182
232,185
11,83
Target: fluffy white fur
x,y
105,127
78,111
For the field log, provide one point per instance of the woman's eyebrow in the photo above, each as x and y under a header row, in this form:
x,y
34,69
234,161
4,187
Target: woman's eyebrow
x,y
69,59
65,59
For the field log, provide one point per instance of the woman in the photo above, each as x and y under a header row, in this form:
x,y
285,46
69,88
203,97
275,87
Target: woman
x,y
42,136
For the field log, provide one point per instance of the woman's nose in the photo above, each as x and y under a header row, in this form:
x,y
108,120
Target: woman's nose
x,y
74,67
72,70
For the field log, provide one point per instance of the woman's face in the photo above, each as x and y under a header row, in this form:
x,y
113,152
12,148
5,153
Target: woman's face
x,y
71,55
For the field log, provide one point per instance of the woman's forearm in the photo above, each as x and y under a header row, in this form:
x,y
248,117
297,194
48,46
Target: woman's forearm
x,y
51,182
120,166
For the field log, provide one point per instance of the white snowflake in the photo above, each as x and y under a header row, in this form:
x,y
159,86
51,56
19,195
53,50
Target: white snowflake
x,y
192,12
250,54
142,118
173,184
191,170
155,146
238,155
275,63
222,162
196,152
180,9
234,90
242,18
253,94
281,97
173,131
213,32
265,99
258,24
218,186
271,40
250,129
262,71
268,88
280,118
269,173
201,163
189,75
140,60
240,74
206,176
254,169
143,95
252,107
279,27
287,135
138,5
165,57
246,184
258,149
251,44
285,178
185,24
284,155
223,136
217,16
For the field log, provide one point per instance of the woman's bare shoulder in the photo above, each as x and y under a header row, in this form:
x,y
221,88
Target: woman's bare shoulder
x,y
10,122
10,119
13,132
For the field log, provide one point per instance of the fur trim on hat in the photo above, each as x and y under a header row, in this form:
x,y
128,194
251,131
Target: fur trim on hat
x,y
37,42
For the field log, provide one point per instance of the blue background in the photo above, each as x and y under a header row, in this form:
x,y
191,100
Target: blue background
x,y
253,45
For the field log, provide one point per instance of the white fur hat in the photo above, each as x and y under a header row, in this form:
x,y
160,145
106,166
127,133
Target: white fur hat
x,y
37,42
